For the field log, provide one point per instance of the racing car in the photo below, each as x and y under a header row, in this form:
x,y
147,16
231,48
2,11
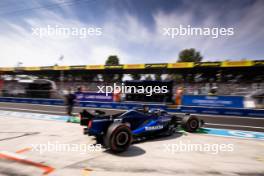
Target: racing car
x,y
118,131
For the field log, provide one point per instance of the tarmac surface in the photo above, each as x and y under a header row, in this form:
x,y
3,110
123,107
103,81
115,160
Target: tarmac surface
x,y
24,151
214,121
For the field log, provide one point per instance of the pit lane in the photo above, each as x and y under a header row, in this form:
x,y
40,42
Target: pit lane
x,y
213,121
144,158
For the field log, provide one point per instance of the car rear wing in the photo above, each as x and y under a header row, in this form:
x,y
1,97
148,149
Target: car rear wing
x,y
86,116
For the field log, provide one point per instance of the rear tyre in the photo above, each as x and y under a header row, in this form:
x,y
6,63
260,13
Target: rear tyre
x,y
118,137
190,123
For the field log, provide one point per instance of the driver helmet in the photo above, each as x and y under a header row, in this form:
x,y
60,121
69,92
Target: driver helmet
x,y
145,108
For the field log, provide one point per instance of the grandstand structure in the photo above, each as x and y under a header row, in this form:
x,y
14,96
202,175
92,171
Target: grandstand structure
x,y
235,67
231,77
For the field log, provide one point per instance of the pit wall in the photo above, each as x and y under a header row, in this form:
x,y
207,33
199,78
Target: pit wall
x,y
125,105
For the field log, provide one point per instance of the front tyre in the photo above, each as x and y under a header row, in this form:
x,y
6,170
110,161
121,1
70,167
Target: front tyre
x,y
118,137
190,123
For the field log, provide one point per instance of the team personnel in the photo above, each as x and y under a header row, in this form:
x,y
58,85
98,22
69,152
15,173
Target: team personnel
x,y
70,100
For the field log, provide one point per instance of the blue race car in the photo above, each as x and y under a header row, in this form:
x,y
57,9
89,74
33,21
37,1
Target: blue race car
x,y
117,132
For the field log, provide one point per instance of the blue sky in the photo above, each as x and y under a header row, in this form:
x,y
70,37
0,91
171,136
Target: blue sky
x,y
131,29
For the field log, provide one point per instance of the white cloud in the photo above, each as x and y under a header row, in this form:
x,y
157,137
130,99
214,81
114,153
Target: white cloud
x,y
128,37
18,44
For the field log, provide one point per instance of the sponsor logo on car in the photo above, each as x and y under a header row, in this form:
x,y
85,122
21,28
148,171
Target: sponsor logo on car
x,y
150,128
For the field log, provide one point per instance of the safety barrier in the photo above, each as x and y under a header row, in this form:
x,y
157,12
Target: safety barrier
x,y
92,104
219,111
126,105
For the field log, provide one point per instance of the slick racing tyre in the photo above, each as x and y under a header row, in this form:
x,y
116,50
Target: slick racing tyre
x,y
118,137
190,123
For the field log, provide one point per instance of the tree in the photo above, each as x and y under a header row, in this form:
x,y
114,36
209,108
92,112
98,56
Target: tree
x,y
112,60
135,76
190,55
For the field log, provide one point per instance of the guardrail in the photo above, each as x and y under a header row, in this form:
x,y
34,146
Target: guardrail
x,y
219,111
124,106
92,104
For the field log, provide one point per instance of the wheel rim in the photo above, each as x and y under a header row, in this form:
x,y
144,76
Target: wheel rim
x,y
193,124
122,138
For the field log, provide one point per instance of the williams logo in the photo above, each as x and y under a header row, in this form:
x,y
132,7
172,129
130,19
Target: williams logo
x,y
150,128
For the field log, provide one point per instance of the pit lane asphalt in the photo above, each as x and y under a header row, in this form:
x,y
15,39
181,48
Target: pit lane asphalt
x,y
27,148
213,121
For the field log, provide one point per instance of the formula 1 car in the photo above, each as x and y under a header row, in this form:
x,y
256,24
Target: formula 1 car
x,y
117,132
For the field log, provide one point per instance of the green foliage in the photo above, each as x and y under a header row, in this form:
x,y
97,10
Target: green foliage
x,y
190,55
112,60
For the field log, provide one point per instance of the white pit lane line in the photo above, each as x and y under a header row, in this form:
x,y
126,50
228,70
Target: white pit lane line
x,y
227,125
30,115
222,116
30,110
